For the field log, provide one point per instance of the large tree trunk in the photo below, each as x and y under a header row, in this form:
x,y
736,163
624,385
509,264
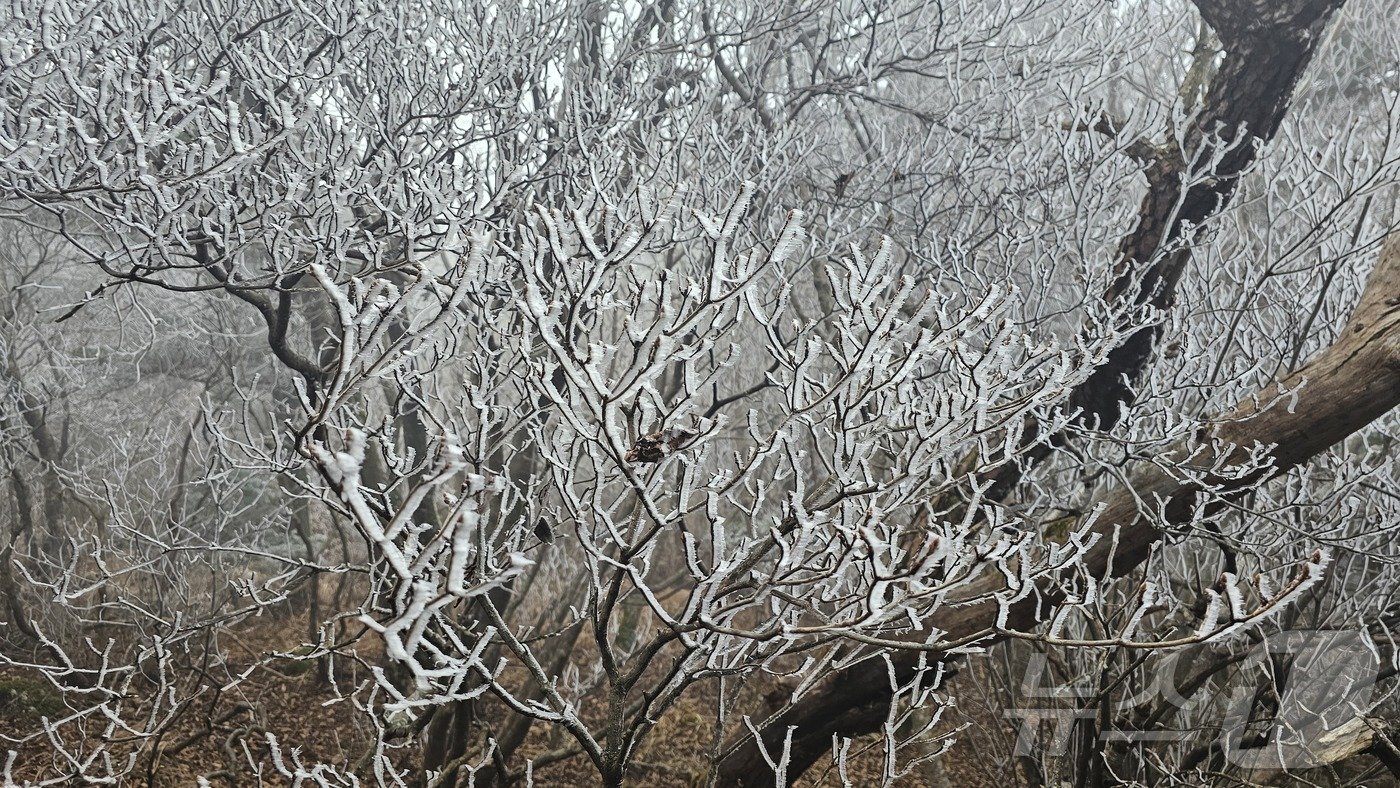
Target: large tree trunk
x,y
1268,45
1352,383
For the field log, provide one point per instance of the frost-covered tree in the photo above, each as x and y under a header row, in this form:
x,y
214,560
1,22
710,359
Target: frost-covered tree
x,y
569,369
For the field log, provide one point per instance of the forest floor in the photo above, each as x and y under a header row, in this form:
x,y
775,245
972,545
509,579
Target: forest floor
x,y
223,738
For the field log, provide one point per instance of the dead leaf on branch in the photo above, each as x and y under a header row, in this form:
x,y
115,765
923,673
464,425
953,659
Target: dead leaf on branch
x,y
654,446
